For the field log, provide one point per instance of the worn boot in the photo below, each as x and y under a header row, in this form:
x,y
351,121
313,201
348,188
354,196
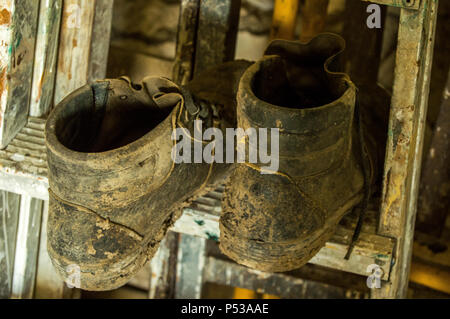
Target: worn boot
x,y
277,221
114,185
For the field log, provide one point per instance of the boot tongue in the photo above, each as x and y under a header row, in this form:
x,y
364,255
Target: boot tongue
x,y
166,95
163,93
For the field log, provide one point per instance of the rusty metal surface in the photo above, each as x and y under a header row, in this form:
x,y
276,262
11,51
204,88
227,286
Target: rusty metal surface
x,y
405,139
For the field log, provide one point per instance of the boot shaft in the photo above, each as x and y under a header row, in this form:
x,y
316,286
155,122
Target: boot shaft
x,y
312,107
78,174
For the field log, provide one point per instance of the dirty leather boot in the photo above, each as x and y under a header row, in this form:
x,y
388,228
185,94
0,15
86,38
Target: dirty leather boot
x,y
277,221
114,188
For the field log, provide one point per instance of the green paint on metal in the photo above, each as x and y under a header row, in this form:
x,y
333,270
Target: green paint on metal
x,y
18,39
212,236
199,222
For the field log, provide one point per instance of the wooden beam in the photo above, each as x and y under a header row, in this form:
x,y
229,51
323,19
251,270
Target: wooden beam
x,y
163,268
83,45
183,67
284,19
405,139
45,57
27,247
18,24
278,284
190,266
9,218
100,41
313,15
218,22
23,164
74,46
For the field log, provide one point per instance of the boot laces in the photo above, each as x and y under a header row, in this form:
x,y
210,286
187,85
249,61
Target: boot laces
x,y
367,172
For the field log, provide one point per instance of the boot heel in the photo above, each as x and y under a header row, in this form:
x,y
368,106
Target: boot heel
x,y
271,257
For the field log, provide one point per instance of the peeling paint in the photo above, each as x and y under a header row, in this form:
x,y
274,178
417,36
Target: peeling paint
x,y
199,222
5,17
212,236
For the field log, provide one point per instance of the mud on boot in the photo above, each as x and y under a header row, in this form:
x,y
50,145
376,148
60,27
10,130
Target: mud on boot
x,y
114,188
278,221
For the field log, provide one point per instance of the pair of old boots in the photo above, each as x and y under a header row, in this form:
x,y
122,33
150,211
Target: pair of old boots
x,y
115,186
